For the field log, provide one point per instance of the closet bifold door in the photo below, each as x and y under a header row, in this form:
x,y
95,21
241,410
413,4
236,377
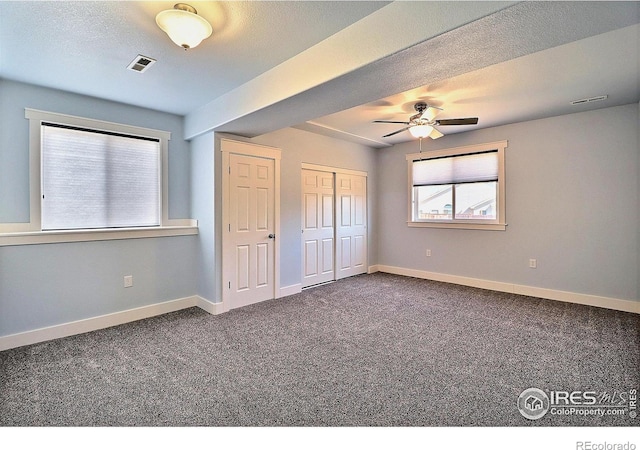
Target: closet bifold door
x,y
318,232
351,225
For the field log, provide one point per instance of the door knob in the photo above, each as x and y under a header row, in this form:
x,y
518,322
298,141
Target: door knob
x,y
272,236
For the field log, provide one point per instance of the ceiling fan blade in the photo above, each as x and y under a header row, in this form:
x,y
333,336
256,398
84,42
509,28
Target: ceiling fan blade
x,y
396,132
389,121
435,134
431,113
467,121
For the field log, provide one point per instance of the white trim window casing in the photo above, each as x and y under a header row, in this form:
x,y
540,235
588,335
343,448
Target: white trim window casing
x,y
462,187
35,231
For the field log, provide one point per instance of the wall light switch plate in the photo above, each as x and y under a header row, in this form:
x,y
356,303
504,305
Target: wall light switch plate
x,y
533,263
128,281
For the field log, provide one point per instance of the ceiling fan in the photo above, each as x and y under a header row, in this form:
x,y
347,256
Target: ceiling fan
x,y
423,123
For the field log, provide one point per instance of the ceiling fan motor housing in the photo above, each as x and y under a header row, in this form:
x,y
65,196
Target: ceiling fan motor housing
x,y
420,107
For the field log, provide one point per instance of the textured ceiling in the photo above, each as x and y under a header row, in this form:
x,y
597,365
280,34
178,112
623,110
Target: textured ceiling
x,y
333,67
533,86
537,86
85,46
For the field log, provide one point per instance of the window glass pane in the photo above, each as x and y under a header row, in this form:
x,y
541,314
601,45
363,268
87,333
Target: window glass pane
x,y
433,202
92,180
458,187
476,201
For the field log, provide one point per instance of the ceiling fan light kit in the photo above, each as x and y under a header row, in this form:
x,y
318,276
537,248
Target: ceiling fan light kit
x,y
184,26
421,131
422,124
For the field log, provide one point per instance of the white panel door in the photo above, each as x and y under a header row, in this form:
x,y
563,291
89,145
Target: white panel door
x,y
351,225
249,272
317,227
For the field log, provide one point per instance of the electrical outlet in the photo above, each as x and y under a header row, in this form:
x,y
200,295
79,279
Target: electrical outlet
x,y
533,263
128,281
428,252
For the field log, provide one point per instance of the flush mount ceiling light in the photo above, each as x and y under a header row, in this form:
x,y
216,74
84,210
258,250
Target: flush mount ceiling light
x,y
184,26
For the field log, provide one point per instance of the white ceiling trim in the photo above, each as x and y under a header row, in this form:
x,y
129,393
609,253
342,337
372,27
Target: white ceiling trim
x,y
326,130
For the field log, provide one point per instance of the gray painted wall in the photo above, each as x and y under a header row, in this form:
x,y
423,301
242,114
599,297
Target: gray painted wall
x,y
572,203
297,147
303,147
14,142
45,285
202,208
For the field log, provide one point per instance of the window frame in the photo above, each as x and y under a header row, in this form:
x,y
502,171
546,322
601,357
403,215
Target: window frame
x,y
470,224
31,232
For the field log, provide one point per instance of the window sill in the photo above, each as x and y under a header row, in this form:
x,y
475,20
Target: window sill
x,y
61,236
460,225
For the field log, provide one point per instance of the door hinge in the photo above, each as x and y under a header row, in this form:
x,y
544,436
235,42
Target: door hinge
x,y
229,284
229,227
229,169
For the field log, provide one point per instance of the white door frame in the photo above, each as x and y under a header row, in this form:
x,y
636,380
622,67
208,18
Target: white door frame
x,y
228,147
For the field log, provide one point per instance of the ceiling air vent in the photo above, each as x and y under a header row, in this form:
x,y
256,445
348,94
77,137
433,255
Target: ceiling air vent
x,y
599,98
141,63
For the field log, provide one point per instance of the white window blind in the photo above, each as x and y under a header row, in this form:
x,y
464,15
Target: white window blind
x,y
460,169
95,179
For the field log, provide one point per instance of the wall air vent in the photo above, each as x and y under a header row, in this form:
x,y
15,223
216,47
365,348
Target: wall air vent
x,y
141,63
599,98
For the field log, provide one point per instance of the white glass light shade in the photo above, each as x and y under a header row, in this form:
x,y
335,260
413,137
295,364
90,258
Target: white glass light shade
x,y
421,131
184,28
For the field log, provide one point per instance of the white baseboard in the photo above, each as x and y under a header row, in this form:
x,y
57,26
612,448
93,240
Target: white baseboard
x,y
95,323
290,290
210,307
551,294
144,312
108,320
